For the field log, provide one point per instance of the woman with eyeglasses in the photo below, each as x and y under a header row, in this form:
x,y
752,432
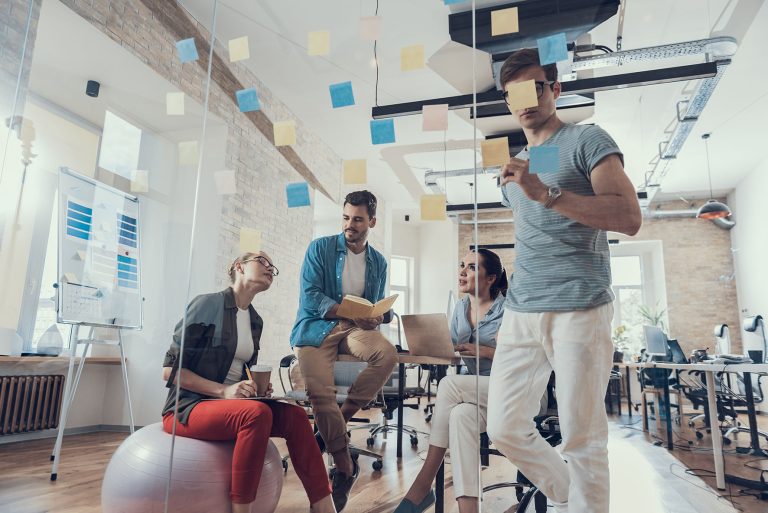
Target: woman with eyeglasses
x,y
483,281
220,335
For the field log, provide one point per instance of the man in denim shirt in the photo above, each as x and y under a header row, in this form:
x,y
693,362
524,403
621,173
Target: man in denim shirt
x,y
334,267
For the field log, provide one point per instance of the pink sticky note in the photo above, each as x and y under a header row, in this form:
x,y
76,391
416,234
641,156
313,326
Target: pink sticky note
x,y
435,117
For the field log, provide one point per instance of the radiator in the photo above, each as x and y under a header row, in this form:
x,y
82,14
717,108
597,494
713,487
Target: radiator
x,y
30,403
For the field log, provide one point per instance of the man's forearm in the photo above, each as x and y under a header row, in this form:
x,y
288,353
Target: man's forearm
x,y
609,212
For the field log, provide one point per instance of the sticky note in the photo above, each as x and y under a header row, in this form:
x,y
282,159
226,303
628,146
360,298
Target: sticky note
x,y
411,57
370,27
174,104
188,153
225,182
319,42
451,2
504,21
79,255
139,181
187,50
495,152
341,94
238,49
544,159
297,194
433,207
434,117
284,133
522,95
355,171
250,240
552,49
248,100
382,131
70,278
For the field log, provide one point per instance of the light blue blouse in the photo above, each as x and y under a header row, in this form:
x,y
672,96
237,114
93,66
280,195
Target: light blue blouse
x,y
463,333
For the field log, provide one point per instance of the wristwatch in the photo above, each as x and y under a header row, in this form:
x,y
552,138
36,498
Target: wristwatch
x,y
553,193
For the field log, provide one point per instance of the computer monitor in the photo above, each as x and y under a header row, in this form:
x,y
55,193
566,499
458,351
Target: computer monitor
x,y
655,341
678,356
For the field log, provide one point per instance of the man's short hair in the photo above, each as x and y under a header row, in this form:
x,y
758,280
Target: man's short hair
x,y
523,59
359,198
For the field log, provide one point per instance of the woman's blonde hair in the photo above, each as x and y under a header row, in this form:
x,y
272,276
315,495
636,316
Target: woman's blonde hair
x,y
240,259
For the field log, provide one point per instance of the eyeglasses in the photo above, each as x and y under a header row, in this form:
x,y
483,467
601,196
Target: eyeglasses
x,y
263,261
539,88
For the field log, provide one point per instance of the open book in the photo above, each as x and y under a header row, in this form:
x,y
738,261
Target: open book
x,y
353,307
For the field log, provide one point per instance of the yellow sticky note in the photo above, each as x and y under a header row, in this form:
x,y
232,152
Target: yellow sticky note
x,y
319,42
355,171
238,49
495,152
139,181
188,153
285,133
250,240
79,255
411,57
70,278
174,104
522,95
433,207
504,21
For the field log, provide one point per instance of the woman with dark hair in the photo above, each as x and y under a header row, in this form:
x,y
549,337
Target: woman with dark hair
x,y
453,424
221,339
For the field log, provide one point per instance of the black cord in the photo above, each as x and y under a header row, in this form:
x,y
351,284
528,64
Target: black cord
x,y
376,61
603,48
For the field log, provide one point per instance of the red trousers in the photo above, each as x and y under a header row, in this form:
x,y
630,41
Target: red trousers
x,y
251,424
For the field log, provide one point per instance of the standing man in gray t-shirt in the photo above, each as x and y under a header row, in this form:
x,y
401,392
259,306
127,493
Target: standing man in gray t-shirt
x,y
559,306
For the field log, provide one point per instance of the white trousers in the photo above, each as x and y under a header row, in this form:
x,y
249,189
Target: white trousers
x,y
454,425
577,346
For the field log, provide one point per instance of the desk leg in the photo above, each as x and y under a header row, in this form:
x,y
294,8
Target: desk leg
x,y
629,392
717,439
668,411
754,438
400,399
440,489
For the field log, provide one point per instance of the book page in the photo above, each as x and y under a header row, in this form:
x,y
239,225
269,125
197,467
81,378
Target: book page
x,y
384,305
353,307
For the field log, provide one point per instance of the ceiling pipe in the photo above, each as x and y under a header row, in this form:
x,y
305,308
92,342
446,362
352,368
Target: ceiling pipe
x,y
722,223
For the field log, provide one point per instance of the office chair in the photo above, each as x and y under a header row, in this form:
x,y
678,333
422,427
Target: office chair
x,y
756,325
722,339
738,399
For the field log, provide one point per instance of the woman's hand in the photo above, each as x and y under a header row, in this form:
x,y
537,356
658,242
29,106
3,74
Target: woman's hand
x,y
240,390
469,350
269,391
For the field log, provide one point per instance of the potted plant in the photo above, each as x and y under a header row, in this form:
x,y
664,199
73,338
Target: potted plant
x,y
654,316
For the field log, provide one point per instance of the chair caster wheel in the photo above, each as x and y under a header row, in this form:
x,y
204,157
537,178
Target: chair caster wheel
x,y
355,456
699,435
377,465
414,441
428,418
726,441
369,442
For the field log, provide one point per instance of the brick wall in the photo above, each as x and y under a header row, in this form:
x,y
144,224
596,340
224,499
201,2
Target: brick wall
x,y
13,26
262,170
697,264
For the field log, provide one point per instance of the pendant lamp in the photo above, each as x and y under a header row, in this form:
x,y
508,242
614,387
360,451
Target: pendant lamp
x,y
712,209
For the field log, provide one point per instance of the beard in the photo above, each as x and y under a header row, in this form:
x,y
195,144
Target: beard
x,y
356,236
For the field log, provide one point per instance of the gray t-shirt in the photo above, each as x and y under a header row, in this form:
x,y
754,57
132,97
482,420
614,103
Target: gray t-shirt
x,y
560,264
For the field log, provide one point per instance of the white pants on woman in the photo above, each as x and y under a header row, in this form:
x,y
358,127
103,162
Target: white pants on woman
x,y
454,425
577,345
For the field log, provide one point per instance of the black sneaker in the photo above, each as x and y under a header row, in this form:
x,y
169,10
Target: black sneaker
x,y
320,441
341,485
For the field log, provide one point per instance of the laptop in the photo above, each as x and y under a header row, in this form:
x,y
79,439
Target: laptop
x,y
678,356
427,335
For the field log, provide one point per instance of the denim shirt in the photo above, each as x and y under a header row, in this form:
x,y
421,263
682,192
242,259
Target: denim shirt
x,y
320,287
462,331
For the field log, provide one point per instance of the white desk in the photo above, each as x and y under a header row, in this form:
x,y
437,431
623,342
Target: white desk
x,y
709,371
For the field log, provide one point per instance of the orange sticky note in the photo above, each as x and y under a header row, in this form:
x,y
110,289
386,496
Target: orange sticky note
x,y
319,42
504,21
238,49
355,171
495,152
434,117
285,133
139,181
188,153
433,207
411,57
522,95
174,104
250,240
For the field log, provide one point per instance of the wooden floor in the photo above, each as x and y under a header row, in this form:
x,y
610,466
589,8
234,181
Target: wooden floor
x,y
644,477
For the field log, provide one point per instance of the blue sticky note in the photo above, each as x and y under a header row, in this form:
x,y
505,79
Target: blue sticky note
x,y
552,49
341,94
451,2
544,159
248,100
187,50
297,194
382,131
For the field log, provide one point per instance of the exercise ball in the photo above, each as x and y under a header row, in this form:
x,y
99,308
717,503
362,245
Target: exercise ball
x,y
135,480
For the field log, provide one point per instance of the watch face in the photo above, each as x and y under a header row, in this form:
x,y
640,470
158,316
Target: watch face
x,y
554,191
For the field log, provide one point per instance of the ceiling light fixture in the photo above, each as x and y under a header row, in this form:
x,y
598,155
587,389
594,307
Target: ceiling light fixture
x,y
712,209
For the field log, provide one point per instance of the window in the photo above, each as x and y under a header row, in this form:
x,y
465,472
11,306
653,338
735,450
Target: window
x,y
628,288
401,283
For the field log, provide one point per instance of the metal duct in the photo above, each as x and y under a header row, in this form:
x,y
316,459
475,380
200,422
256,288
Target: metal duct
x,y
722,223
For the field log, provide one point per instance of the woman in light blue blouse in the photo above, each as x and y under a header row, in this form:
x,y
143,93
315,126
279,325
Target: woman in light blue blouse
x,y
478,312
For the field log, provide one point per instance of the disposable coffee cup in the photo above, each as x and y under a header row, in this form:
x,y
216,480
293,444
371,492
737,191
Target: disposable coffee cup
x,y
261,376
